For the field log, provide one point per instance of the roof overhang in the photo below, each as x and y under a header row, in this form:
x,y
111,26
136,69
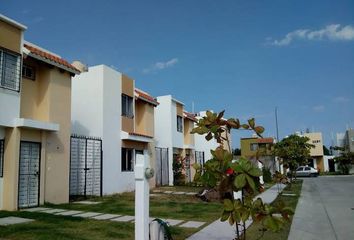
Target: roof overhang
x,y
35,124
13,22
135,137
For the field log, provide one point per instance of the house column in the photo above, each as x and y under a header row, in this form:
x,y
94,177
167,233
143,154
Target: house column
x,y
11,168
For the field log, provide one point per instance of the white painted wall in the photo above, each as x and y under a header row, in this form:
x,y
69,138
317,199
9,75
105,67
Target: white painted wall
x,y
201,144
96,111
163,128
10,107
2,136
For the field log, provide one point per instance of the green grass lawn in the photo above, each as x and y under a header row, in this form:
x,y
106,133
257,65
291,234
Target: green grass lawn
x,y
253,232
49,226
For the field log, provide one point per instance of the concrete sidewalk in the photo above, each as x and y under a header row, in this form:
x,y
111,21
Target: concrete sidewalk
x,y
222,230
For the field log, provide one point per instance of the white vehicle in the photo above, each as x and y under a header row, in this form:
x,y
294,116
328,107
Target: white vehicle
x,y
306,171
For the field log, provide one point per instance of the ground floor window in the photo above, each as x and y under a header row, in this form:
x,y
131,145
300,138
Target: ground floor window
x,y
1,158
127,160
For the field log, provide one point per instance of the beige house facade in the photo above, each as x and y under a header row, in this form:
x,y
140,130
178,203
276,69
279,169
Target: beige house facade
x,y
35,99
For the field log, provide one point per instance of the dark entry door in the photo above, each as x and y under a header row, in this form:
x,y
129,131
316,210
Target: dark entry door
x,y
331,165
29,175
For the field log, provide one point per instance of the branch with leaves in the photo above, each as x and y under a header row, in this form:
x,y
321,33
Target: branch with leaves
x,y
228,176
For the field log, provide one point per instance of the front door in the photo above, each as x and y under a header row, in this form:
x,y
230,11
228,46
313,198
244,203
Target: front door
x,y
28,184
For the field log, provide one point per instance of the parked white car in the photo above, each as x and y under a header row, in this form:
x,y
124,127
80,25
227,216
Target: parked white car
x,y
305,171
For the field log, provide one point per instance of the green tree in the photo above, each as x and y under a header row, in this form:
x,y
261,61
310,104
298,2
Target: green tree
x,y
293,151
326,151
229,176
345,160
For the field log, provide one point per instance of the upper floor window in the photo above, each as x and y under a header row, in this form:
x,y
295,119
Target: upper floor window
x,y
254,146
28,72
316,141
127,106
1,158
179,124
10,70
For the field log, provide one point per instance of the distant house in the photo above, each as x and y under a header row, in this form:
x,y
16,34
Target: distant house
x,y
316,153
260,149
106,104
35,95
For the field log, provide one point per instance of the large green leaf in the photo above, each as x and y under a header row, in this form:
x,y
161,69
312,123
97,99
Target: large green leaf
x,y
255,172
228,205
251,182
240,181
225,215
251,122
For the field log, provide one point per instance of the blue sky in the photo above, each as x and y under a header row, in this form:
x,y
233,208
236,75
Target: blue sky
x,y
246,57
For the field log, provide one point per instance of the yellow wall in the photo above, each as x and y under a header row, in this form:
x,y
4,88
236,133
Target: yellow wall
x,y
188,126
11,166
48,99
144,118
127,89
315,139
134,144
179,109
10,37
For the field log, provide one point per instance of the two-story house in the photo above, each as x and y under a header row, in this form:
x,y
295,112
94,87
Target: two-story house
x,y
35,94
261,149
316,153
106,104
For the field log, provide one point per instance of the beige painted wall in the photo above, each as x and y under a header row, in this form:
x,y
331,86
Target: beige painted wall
x,y
315,139
188,137
179,109
144,118
58,143
134,144
127,89
11,166
48,99
10,37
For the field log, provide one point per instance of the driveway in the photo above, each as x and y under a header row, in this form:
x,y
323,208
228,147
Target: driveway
x,y
325,209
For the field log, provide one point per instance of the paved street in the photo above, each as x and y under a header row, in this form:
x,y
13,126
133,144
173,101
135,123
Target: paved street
x,y
325,209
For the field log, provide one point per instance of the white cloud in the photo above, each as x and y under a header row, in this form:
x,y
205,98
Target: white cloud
x,y
318,108
333,32
340,99
161,65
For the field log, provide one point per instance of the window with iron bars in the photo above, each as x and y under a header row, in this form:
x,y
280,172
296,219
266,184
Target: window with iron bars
x,y
1,158
127,106
10,70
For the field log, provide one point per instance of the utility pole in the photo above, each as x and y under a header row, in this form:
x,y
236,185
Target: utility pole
x,y
276,126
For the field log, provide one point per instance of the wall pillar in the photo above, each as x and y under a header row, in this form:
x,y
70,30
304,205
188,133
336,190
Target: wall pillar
x,y
11,168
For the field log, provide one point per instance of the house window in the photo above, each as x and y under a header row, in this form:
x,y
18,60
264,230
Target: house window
x,y
28,72
179,124
254,146
316,141
10,66
127,106
127,160
1,158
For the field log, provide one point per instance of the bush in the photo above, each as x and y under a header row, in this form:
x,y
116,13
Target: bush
x,y
267,175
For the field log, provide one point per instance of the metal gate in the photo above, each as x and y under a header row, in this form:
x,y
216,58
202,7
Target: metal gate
x,y
85,166
29,174
162,173
199,158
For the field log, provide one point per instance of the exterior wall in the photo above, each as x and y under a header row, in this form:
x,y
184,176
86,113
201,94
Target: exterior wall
x,y
10,37
144,118
96,111
57,155
163,128
128,89
315,139
188,137
177,137
179,109
349,142
11,166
